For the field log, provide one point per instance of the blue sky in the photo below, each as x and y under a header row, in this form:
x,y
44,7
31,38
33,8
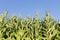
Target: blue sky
x,y
29,7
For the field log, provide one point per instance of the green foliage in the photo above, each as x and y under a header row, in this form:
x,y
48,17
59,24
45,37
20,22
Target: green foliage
x,y
30,28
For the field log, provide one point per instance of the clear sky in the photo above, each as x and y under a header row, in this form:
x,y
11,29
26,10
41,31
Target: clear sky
x,y
26,7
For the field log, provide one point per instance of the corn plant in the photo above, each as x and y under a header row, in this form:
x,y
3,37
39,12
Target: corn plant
x,y
29,28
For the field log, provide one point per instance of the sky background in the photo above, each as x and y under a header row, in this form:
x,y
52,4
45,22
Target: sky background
x,y
29,7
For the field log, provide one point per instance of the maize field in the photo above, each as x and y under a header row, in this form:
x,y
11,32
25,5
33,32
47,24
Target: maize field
x,y
29,28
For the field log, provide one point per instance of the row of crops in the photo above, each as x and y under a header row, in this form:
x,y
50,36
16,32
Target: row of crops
x,y
29,28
